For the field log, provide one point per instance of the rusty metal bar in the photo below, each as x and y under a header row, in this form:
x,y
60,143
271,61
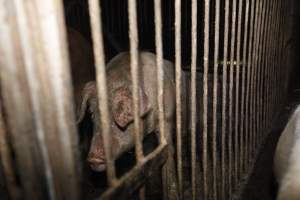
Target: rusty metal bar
x,y
205,95
244,65
133,38
249,75
215,96
96,27
232,170
238,119
178,78
224,96
193,95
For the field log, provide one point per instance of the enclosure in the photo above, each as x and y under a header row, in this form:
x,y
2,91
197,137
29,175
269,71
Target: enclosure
x,y
234,66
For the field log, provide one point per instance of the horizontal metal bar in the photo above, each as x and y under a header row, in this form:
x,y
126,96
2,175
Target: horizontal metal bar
x,y
136,177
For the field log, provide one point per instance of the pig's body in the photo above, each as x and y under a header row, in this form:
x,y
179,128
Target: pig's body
x,y
120,104
287,160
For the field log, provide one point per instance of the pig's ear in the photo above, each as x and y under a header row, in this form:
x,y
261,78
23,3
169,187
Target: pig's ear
x,y
88,92
122,105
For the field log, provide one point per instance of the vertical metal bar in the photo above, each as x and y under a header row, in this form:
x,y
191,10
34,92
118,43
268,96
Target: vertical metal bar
x,y
270,61
133,38
265,68
232,170
193,95
255,78
272,89
7,160
249,75
238,120
50,124
274,65
282,48
205,94
244,65
160,77
96,26
215,96
178,90
261,74
252,132
224,96
160,71
22,17
142,193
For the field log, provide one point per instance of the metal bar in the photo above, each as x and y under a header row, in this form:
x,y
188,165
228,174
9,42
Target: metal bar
x,y
7,160
22,16
282,48
244,65
178,78
224,96
137,176
266,66
252,83
272,89
261,75
249,75
44,112
160,71
193,95
160,78
205,94
270,61
96,26
215,96
133,38
275,59
231,166
238,120
255,92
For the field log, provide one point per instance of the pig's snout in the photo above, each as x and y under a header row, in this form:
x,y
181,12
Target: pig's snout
x,y
97,161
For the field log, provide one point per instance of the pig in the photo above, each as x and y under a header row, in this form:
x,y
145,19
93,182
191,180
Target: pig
x,y
287,160
119,89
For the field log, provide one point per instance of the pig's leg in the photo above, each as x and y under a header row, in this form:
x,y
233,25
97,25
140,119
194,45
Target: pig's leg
x,y
169,171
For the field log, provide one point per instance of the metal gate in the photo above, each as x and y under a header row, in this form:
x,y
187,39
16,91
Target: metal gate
x,y
224,108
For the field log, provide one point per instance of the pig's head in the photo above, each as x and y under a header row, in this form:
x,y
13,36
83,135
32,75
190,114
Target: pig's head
x,y
121,129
